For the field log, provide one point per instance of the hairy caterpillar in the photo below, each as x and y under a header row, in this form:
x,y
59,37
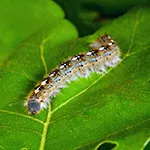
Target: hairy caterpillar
x,y
104,53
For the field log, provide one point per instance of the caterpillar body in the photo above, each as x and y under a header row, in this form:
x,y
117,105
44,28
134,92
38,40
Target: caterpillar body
x,y
104,53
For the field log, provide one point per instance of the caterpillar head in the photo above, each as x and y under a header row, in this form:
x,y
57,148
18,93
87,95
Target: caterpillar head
x,y
33,105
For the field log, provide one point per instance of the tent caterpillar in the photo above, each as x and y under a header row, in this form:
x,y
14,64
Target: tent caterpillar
x,y
104,53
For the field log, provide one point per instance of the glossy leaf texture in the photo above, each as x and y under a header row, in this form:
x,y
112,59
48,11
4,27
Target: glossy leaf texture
x,y
113,108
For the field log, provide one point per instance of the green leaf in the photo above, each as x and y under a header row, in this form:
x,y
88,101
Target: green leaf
x,y
113,108
20,19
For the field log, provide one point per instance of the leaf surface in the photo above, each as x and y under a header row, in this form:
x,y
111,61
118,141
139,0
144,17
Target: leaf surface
x,y
20,19
113,107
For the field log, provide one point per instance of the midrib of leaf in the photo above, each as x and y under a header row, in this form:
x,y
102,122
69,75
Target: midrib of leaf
x,y
45,128
46,124
49,114
94,82
78,94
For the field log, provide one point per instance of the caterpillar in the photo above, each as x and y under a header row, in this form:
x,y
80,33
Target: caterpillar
x,y
104,53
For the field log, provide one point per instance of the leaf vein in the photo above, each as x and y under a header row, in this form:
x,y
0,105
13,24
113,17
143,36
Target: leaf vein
x,y
78,94
134,30
14,113
145,49
22,129
42,55
131,43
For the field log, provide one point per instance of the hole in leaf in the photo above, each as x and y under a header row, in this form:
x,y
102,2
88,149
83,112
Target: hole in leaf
x,y
107,146
24,149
